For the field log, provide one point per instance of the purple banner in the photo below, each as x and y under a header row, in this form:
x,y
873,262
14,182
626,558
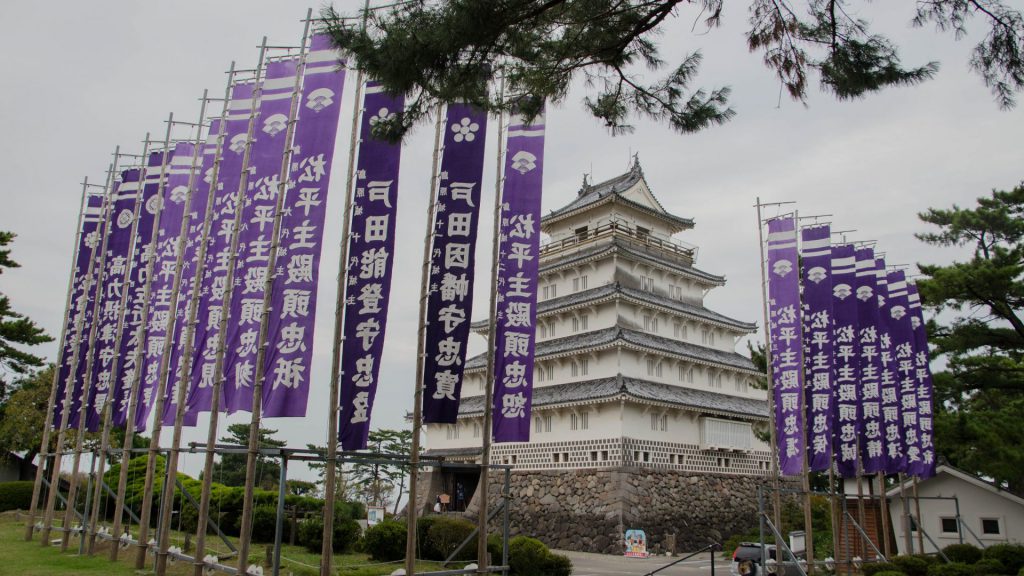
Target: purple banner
x,y
290,346
190,264
136,286
870,363
371,247
256,237
896,316
218,256
518,262
452,261
115,280
846,426
160,319
787,352
816,271
921,452
88,243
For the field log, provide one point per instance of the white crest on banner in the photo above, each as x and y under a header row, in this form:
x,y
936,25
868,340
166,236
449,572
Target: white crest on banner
x,y
782,267
153,204
465,130
523,161
93,239
178,194
382,115
864,293
275,123
898,312
124,219
816,274
881,301
915,322
238,143
319,99
208,175
841,291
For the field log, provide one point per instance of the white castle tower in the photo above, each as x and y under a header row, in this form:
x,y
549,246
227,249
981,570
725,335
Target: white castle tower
x,y
632,372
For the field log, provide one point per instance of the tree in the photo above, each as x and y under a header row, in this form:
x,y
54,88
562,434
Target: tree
x,y
230,471
980,394
23,415
15,330
373,478
451,51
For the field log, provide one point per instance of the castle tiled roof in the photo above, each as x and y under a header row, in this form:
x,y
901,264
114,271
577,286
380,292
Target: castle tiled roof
x,y
627,248
615,290
619,386
616,335
611,190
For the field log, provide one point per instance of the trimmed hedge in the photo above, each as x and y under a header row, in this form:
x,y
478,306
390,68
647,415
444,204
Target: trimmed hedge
x,y
385,542
1010,555
311,534
530,557
890,573
445,534
951,569
873,569
989,567
966,553
911,565
16,495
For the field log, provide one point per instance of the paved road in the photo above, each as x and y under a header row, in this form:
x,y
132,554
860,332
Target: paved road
x,y
586,564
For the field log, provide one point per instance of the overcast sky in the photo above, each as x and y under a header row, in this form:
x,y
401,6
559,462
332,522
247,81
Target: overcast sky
x,y
83,77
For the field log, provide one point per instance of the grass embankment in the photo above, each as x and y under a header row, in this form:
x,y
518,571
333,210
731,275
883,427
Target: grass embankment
x,y
21,558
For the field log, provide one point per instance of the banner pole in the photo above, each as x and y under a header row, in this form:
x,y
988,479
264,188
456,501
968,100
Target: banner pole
x,y
76,339
154,444
211,432
167,501
884,503
104,449
90,356
836,541
908,541
917,518
90,284
773,453
140,336
44,445
860,498
486,432
333,409
805,464
417,397
268,290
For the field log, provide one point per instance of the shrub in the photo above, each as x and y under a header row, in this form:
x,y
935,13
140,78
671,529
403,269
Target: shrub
x,y
890,573
911,565
559,565
385,542
15,495
447,533
424,550
966,553
264,523
311,534
951,569
989,566
1011,556
530,557
874,568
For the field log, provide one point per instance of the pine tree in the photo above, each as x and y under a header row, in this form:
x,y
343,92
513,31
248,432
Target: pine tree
x,y
980,394
16,330
453,50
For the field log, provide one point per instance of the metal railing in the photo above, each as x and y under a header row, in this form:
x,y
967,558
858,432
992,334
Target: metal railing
x,y
622,230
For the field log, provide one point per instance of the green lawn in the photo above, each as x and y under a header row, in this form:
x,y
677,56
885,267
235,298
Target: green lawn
x,y
21,558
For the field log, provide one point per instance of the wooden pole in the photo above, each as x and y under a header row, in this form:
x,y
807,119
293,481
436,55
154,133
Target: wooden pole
x,y
154,444
44,445
225,306
331,463
773,452
908,541
884,507
261,349
69,386
167,500
147,253
805,464
917,518
486,434
860,501
90,357
411,508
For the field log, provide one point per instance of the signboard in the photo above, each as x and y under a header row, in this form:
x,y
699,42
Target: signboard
x,y
636,544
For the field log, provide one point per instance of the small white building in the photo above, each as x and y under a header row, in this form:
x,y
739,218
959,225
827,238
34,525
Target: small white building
x,y
956,507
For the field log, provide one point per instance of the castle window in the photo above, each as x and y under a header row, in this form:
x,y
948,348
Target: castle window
x,y
476,429
679,330
584,366
580,322
604,455
647,283
543,331
581,233
717,433
642,233
650,323
538,425
579,283
686,373
539,370
549,291
551,329
593,456
675,291
551,371
453,431
659,422
547,423
741,385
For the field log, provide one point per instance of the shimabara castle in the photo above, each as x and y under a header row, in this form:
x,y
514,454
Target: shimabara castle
x,y
643,411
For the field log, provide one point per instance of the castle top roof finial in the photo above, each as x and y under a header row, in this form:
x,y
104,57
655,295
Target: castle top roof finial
x,y
585,186
636,163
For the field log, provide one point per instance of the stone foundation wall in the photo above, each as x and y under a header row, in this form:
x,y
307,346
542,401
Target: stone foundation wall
x,y
589,510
